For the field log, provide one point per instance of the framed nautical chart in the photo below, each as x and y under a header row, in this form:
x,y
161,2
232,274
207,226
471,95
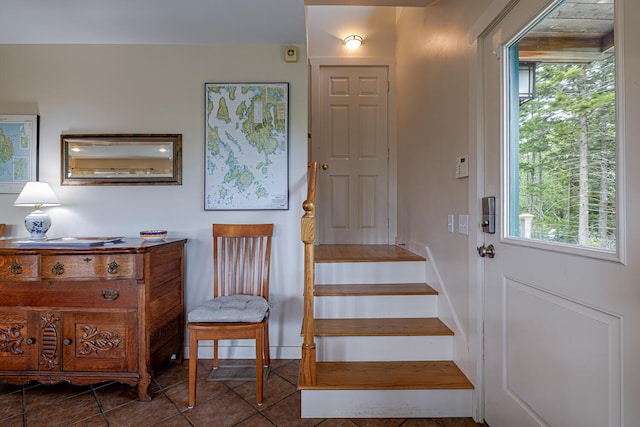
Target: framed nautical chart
x,y
246,146
18,151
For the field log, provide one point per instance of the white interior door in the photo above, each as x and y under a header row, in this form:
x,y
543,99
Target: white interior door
x,y
351,145
561,341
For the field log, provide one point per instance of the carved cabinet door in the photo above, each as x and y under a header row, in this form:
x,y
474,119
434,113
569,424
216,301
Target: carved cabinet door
x,y
17,340
103,341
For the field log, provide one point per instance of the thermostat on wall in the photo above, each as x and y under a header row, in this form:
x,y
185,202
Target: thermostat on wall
x,y
462,166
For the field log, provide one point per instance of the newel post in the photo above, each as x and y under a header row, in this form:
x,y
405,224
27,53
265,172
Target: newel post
x,y
308,235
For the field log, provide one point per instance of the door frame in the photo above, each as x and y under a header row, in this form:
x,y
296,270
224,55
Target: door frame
x,y
315,63
483,25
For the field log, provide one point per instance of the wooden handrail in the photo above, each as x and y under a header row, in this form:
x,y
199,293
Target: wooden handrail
x,y
308,235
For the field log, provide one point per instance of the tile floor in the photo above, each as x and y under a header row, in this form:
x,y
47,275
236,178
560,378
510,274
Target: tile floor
x,y
230,403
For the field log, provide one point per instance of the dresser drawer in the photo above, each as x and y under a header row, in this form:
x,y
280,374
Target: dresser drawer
x,y
19,267
116,266
99,294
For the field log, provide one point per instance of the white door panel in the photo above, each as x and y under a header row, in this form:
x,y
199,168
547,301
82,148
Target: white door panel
x,y
561,341
352,140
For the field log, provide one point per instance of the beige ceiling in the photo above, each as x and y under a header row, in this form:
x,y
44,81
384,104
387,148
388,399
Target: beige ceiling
x,y
397,3
152,22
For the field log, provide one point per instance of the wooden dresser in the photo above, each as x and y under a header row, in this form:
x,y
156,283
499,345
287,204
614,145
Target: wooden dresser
x,y
91,314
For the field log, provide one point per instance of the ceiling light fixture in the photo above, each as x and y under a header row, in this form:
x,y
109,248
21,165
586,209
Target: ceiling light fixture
x,y
353,41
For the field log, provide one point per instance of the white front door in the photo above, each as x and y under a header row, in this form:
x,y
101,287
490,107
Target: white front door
x,y
350,142
561,343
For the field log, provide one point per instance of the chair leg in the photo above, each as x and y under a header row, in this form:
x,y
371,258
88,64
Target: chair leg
x,y
215,354
193,367
267,357
259,363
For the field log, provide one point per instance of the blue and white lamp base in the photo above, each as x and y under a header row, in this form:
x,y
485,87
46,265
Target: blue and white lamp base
x,y
38,223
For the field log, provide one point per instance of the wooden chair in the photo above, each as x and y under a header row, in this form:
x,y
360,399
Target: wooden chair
x,y
239,308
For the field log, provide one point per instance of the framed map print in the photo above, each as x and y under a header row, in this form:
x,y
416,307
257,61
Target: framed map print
x,y
246,146
18,151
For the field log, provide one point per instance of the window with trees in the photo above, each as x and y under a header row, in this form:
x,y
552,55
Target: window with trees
x,y
562,127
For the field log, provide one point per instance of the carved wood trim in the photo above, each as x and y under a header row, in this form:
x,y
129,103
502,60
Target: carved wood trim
x,y
49,342
96,341
11,339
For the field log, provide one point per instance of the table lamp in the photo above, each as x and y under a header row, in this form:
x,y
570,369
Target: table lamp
x,y
37,194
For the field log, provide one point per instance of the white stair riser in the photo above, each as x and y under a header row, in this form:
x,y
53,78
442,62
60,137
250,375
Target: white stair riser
x,y
370,272
337,403
354,307
386,403
383,349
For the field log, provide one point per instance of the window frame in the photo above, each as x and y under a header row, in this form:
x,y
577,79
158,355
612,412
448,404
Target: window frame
x,y
507,104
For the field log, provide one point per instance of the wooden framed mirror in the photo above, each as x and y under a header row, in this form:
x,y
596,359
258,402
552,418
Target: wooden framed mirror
x,y
121,159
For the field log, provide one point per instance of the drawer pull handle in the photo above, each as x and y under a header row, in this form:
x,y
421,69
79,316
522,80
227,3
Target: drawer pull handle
x,y
31,341
58,268
67,341
110,294
16,268
87,259
112,268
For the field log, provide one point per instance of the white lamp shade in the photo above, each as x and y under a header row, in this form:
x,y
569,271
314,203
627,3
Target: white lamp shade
x,y
37,194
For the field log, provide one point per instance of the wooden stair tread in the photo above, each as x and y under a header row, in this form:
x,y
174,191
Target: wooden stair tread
x,y
428,326
374,289
363,253
397,375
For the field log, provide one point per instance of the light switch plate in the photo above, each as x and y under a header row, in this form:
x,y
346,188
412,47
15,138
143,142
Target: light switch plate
x,y
450,223
463,224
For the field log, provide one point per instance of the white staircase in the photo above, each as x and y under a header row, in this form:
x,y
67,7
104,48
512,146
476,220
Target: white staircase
x,y
381,350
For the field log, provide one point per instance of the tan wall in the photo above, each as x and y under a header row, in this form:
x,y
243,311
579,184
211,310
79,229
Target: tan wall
x,y
433,95
156,89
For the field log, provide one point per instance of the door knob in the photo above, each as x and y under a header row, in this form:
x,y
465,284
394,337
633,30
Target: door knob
x,y
488,251
325,166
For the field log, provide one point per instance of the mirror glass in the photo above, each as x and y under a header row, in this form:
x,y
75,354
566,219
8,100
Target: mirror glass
x,y
121,159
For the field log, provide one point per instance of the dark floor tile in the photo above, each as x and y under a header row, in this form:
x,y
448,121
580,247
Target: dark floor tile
x,y
62,412
258,420
337,422
457,422
227,403
175,421
44,395
10,404
17,421
205,390
289,370
95,421
224,410
287,413
112,395
278,363
172,375
139,414
421,422
274,390
9,388
379,422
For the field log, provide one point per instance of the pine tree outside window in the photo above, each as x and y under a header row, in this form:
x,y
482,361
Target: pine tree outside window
x,y
562,139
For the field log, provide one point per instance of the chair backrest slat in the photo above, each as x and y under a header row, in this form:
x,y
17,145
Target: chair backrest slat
x,y
241,259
